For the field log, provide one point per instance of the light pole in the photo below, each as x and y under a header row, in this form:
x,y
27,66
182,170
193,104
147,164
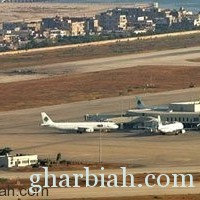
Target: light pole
x,y
122,106
100,147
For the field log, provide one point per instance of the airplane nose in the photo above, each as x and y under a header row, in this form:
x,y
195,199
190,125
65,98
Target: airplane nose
x,y
116,126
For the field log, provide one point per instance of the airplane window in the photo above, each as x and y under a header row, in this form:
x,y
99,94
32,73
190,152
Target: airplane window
x,y
100,125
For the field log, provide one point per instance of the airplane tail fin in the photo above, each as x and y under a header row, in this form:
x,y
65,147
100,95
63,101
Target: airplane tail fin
x,y
46,121
139,102
159,121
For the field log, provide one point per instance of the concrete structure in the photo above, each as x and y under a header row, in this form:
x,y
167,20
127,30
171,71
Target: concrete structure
x,y
185,106
189,119
51,23
187,113
20,25
9,161
77,28
112,20
35,25
92,26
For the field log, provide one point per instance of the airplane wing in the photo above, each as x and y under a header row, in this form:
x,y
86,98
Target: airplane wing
x,y
148,128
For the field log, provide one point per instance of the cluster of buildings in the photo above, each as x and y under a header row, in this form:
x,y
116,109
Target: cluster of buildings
x,y
17,35
151,18
188,113
120,22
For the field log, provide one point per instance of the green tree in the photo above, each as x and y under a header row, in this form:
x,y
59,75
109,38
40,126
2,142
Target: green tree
x,y
58,157
5,151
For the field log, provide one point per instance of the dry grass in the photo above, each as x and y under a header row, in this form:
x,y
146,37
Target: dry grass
x,y
167,197
65,89
90,52
194,60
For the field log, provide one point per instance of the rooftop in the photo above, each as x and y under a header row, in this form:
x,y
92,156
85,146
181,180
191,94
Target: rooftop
x,y
139,111
187,103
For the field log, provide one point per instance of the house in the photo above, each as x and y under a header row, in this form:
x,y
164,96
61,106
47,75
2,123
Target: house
x,y
112,20
20,160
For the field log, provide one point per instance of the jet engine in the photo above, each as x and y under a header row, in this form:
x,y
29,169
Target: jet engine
x,y
89,130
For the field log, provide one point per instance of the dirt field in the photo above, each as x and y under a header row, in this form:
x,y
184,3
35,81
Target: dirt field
x,y
167,197
31,11
194,60
65,89
25,183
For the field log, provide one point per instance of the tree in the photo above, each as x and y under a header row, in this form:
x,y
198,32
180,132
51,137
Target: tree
x,y
5,151
58,157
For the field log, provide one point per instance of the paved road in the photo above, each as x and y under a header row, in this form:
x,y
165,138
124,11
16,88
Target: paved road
x,y
177,57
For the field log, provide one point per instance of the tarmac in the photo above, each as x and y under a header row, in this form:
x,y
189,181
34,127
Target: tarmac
x,y
21,131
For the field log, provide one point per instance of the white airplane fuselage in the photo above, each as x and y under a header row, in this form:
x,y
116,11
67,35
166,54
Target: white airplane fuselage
x,y
169,128
175,127
77,126
83,125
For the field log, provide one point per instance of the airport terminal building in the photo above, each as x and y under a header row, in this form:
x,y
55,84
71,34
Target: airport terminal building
x,y
187,113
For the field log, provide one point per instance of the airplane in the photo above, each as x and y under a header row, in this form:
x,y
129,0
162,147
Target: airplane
x,y
175,127
80,127
140,105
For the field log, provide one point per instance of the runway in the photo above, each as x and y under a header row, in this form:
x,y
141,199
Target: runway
x,y
175,57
